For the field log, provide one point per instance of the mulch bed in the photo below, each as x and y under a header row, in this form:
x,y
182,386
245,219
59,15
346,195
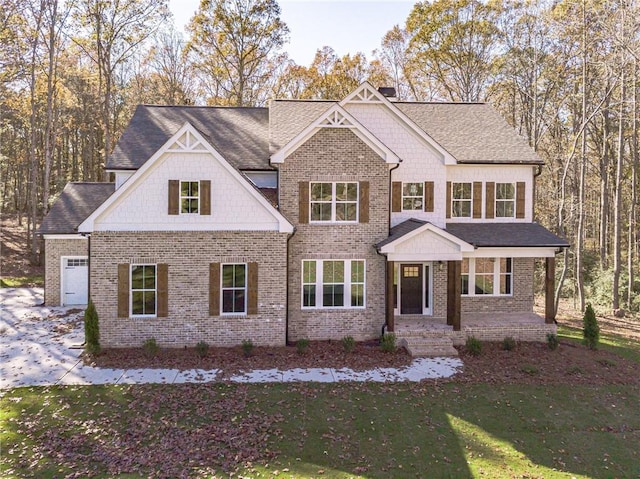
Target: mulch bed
x,y
528,363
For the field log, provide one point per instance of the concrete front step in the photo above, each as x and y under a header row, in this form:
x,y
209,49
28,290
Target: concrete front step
x,y
426,346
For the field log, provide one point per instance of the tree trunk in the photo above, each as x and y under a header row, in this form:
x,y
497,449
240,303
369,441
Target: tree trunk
x,y
617,207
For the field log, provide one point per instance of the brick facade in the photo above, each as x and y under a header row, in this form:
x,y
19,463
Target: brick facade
x,y
54,250
188,255
334,154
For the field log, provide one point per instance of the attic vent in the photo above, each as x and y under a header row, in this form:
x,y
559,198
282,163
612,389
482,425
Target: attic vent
x,y
387,91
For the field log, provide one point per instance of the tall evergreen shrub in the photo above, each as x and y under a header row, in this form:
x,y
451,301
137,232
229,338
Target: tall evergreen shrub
x,y
91,329
591,330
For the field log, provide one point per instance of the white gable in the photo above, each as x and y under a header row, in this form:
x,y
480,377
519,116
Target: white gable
x,y
427,243
141,204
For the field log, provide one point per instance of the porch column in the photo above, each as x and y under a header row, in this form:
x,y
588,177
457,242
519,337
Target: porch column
x,y
389,298
453,294
549,290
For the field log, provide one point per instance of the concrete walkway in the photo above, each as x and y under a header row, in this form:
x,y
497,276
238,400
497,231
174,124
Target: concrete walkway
x,y
38,347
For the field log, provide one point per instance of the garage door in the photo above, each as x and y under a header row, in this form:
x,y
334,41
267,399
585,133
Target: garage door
x,y
75,281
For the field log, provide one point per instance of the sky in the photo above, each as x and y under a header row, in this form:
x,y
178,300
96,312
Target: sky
x,y
346,26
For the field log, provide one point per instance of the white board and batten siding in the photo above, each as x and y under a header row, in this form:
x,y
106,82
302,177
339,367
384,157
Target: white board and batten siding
x,y
144,206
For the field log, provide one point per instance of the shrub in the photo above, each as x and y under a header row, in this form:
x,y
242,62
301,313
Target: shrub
x,y
150,347
202,349
552,341
474,346
247,348
91,330
348,343
508,343
302,346
388,342
529,369
591,330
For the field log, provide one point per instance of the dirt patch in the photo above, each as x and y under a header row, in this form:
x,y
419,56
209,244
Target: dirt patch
x,y
528,363
320,354
14,250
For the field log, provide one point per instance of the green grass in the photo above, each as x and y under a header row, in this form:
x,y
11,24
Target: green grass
x,y
329,430
22,281
624,347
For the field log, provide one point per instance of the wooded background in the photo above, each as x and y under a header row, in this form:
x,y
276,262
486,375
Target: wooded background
x,y
564,73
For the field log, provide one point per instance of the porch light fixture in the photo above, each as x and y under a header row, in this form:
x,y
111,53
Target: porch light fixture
x,y
440,265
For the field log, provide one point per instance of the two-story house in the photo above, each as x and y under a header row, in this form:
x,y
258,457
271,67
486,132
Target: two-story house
x,y
307,219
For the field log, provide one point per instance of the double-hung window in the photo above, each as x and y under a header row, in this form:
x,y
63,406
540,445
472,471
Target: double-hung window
x,y
234,288
143,290
412,196
505,200
189,196
333,284
487,277
461,200
334,201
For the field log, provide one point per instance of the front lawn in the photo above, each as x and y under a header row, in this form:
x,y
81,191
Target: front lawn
x,y
322,430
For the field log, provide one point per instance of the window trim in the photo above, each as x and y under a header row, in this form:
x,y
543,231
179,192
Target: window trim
x,y
455,200
245,288
503,201
319,284
496,276
403,196
155,290
334,203
190,197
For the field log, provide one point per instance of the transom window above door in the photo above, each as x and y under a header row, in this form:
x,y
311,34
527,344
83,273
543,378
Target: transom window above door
x,y
334,201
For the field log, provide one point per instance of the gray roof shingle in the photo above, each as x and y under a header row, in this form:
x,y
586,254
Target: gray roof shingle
x,y
471,132
290,117
76,202
240,135
399,230
518,235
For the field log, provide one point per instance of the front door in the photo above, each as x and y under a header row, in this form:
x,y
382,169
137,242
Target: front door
x,y
411,285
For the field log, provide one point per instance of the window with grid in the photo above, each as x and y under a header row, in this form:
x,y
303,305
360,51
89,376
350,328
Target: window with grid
x,y
143,290
487,276
334,202
461,200
412,196
333,284
189,196
234,288
506,277
464,275
505,200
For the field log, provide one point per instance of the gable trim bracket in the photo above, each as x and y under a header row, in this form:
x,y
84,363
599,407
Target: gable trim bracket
x,y
336,117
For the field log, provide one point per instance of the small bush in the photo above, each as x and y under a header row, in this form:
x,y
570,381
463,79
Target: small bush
x,y
575,370
202,349
508,343
388,342
91,330
302,346
474,346
348,343
552,341
151,347
247,348
591,330
607,363
529,369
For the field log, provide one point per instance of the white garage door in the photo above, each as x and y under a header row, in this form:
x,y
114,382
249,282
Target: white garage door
x,y
75,281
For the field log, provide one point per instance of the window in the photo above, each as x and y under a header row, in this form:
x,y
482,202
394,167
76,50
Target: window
x,y
333,284
487,276
77,262
461,200
189,197
412,196
143,290
234,288
505,200
334,202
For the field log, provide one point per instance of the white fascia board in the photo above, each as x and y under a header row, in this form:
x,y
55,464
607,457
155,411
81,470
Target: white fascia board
x,y
419,257
379,98
361,132
463,245
512,252
65,237
87,225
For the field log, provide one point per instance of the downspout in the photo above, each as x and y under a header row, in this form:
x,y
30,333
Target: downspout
x,y
286,295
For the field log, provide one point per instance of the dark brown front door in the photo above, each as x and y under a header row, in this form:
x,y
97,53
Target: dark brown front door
x,y
411,289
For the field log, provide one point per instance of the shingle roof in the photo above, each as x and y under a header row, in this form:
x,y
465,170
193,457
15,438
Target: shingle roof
x,y
290,117
76,202
240,135
506,235
471,132
398,231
